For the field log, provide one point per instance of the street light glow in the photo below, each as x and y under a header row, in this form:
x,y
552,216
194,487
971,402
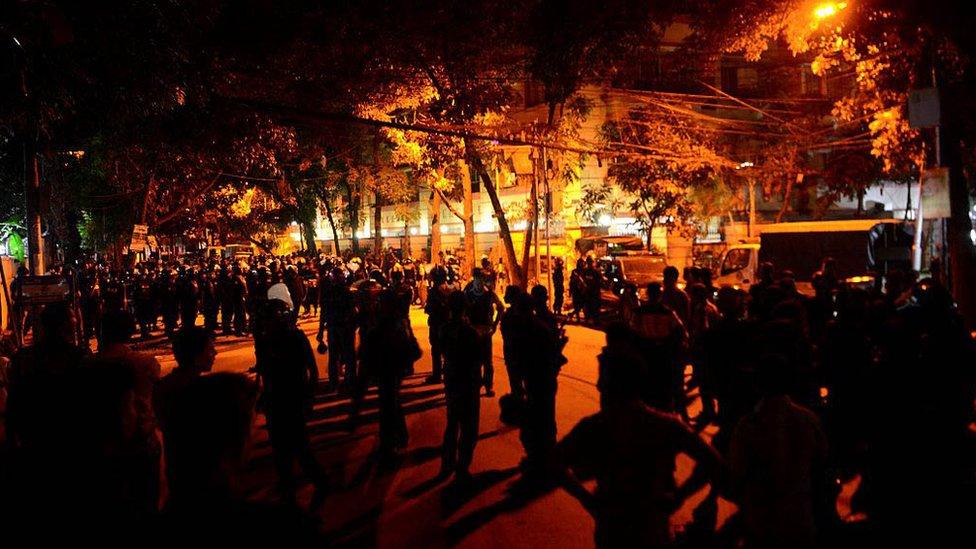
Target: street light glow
x,y
830,9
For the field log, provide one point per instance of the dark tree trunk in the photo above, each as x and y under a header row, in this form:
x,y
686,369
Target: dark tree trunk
x,y
378,227
308,231
332,225
514,269
787,195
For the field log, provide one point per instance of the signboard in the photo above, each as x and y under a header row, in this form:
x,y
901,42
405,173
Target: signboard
x,y
935,193
138,243
44,289
923,108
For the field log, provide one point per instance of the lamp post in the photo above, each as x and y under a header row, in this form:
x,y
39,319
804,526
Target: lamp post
x,y
32,170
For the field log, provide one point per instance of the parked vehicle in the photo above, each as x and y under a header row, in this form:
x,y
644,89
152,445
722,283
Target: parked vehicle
x,y
627,268
862,250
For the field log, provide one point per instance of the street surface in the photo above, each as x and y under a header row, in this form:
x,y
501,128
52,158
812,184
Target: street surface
x,y
408,507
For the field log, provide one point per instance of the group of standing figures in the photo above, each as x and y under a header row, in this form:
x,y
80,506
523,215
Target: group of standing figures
x,y
798,395
462,323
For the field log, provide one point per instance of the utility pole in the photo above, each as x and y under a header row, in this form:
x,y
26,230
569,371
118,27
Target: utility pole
x,y
32,193
469,244
548,209
32,171
752,209
435,224
919,213
32,168
535,216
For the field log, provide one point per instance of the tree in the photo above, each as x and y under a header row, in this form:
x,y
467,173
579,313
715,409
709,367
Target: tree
x,y
892,47
679,157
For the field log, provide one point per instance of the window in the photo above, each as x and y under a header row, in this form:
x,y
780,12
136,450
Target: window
x,y
736,260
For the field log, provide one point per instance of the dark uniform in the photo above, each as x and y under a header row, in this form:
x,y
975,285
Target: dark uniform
x,y
558,286
462,384
481,306
145,302
167,297
210,299
663,337
337,317
437,315
287,368
189,295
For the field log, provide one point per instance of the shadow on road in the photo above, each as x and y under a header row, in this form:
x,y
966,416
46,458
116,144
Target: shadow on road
x,y
520,494
456,494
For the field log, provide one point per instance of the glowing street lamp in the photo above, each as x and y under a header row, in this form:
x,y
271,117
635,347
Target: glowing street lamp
x,y
828,10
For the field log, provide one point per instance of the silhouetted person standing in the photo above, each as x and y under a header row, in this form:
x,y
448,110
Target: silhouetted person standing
x,y
169,300
592,283
389,350
462,385
143,370
630,449
438,312
558,285
777,457
539,357
207,427
210,300
484,310
188,291
577,287
663,340
40,380
145,303
515,319
286,364
194,351
674,297
338,316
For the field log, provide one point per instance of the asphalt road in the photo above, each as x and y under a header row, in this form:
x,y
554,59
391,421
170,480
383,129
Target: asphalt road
x,y
408,507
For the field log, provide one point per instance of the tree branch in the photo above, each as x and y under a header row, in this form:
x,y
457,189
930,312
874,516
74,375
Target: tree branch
x,y
162,220
447,203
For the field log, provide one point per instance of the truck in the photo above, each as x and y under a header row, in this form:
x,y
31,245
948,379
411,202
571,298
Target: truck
x,y
863,250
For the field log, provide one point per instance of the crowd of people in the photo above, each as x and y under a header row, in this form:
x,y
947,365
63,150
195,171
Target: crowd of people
x,y
798,395
226,292
806,392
